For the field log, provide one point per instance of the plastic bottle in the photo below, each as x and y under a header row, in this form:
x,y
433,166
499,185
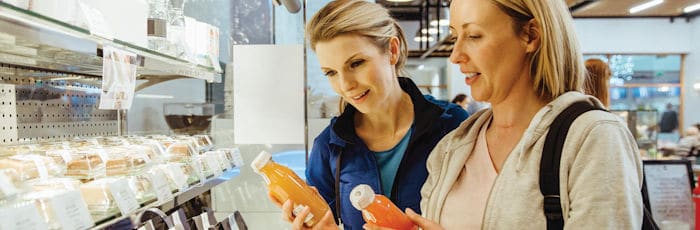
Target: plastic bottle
x,y
378,209
284,185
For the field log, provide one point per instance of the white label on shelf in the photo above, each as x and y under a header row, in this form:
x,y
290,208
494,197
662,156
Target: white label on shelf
x,y
118,78
123,196
204,217
177,221
160,186
96,22
6,186
213,163
71,211
232,222
147,226
237,158
40,166
178,176
25,217
197,167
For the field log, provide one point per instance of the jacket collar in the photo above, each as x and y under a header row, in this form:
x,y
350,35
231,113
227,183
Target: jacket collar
x,y
425,112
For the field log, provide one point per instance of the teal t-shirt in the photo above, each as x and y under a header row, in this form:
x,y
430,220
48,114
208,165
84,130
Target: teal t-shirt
x,y
389,163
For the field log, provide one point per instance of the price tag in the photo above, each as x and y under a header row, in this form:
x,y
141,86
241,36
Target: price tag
x,y
96,22
118,78
6,186
178,223
197,166
71,211
178,176
25,217
212,162
203,221
237,158
147,226
232,222
123,196
160,186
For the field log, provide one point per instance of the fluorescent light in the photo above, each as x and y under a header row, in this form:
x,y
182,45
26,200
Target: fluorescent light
x,y
443,22
645,6
429,31
696,86
423,38
691,8
664,89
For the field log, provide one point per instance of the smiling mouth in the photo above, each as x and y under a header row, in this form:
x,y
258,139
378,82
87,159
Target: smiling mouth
x,y
358,97
472,75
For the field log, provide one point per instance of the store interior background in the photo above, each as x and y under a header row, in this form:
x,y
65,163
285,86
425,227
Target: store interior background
x,y
259,22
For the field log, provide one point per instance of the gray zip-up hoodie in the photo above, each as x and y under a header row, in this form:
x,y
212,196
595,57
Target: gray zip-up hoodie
x,y
600,172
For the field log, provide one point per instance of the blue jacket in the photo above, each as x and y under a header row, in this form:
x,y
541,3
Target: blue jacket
x,y
433,120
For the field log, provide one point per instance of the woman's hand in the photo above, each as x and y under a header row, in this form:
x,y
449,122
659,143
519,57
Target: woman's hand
x,y
327,222
421,222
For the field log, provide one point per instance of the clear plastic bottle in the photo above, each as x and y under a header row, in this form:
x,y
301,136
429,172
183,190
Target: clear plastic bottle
x,y
284,184
378,209
157,25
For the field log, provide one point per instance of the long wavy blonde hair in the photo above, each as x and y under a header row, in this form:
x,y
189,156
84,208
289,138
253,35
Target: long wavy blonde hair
x,y
598,80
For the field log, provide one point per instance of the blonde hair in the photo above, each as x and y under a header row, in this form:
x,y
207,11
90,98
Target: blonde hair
x,y
358,17
598,79
361,18
557,66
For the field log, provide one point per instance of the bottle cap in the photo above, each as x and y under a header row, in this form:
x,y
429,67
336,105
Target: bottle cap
x,y
361,196
260,161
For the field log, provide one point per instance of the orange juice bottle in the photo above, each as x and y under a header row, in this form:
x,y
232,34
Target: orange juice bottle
x,y
378,209
284,185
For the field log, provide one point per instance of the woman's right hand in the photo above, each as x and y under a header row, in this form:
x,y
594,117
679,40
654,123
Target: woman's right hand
x,y
327,222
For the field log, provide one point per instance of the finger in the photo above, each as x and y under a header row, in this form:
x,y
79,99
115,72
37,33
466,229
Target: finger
x,y
287,211
299,219
327,222
423,223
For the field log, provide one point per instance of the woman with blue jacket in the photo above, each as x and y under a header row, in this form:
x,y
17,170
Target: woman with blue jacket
x,y
387,128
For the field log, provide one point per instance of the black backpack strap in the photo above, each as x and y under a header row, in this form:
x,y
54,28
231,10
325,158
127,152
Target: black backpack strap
x,y
551,157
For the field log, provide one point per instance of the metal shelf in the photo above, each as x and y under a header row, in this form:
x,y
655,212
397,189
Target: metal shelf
x,y
34,40
178,199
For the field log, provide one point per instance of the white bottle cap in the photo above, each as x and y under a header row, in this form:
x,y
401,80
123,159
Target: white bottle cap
x,y
361,196
260,161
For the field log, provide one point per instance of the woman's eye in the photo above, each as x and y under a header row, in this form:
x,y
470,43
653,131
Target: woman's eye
x,y
329,73
474,37
357,63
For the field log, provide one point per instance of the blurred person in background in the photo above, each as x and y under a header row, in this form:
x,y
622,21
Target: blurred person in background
x,y
598,80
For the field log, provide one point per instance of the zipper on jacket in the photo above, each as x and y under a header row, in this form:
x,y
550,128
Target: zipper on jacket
x,y
379,173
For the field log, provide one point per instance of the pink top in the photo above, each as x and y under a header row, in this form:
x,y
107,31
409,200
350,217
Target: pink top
x,y
465,203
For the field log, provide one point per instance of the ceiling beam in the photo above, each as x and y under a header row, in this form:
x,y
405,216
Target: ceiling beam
x,y
579,5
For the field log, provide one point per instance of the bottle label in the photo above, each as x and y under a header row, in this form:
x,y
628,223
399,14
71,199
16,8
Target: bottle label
x,y
297,210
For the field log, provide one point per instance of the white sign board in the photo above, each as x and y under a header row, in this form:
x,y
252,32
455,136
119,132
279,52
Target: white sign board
x,y
668,187
268,94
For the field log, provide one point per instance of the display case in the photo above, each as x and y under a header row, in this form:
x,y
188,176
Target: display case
x,y
642,124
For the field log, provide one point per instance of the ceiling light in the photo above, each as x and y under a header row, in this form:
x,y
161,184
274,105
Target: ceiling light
x,y
645,6
691,8
429,31
696,86
423,39
443,22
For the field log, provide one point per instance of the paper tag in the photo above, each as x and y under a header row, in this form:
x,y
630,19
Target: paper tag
x,y
205,220
25,217
178,224
147,226
237,158
178,176
6,186
118,78
197,167
232,222
40,166
213,163
96,22
71,211
65,154
160,186
123,196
